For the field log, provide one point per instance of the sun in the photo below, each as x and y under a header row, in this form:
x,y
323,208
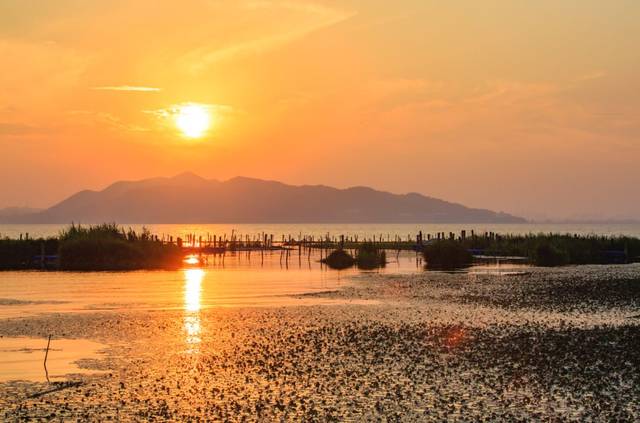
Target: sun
x,y
193,120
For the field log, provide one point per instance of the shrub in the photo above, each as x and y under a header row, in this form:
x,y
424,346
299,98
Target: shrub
x,y
369,256
339,259
546,254
447,255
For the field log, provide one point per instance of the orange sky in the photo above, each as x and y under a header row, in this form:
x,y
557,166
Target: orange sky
x,y
527,107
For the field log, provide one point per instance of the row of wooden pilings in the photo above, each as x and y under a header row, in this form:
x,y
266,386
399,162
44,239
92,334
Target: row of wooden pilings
x,y
266,241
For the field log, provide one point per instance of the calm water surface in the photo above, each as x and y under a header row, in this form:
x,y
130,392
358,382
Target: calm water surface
x,y
362,230
240,280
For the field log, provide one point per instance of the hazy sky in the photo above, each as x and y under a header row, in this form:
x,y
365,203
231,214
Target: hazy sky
x,y
530,107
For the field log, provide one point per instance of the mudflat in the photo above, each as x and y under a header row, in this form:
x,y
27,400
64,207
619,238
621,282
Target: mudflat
x,y
552,344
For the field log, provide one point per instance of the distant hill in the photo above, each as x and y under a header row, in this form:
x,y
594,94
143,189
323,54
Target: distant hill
x,y
188,198
11,212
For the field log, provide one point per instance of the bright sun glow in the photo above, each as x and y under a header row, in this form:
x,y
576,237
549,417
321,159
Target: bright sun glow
x,y
193,120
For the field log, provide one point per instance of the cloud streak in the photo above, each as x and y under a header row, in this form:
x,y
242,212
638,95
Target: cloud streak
x,y
320,17
134,88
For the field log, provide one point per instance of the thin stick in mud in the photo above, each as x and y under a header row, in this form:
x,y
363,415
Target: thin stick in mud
x,y
46,354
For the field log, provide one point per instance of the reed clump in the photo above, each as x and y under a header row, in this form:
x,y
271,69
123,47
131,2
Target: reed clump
x,y
339,259
559,249
109,247
369,256
21,254
447,255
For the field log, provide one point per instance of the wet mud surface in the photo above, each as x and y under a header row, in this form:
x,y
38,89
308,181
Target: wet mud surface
x,y
554,345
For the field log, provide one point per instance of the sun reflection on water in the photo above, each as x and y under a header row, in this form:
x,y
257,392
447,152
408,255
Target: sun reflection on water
x,y
192,289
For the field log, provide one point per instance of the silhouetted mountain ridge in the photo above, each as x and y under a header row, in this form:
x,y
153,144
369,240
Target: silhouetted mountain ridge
x,y
189,198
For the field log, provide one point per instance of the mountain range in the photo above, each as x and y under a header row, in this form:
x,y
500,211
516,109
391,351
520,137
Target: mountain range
x,y
188,198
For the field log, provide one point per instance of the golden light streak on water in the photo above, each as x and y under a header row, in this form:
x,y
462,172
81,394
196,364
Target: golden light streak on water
x,y
192,294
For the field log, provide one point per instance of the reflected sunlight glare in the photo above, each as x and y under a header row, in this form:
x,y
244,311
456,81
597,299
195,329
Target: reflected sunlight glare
x,y
192,289
192,260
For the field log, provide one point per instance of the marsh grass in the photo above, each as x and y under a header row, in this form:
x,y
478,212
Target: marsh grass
x,y
21,254
447,255
369,256
339,259
110,247
559,249
96,247
538,249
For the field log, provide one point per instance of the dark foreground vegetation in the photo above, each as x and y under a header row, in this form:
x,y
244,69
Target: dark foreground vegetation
x,y
99,247
110,247
538,249
24,253
447,254
339,259
367,256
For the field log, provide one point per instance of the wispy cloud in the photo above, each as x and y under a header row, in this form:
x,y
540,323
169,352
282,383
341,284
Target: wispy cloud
x,y
320,17
592,76
127,88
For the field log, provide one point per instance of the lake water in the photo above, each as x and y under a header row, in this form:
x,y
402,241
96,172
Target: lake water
x,y
21,358
361,230
240,280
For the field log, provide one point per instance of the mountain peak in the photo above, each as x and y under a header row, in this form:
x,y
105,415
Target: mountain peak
x,y
188,176
189,198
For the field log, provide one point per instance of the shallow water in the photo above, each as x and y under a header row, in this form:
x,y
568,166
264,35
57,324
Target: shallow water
x,y
238,280
22,358
545,344
229,341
